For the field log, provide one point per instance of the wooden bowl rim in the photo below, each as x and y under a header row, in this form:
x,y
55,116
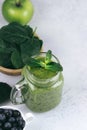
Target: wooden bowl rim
x,y
10,71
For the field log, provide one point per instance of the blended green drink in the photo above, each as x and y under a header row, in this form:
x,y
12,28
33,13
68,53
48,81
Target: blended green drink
x,y
43,83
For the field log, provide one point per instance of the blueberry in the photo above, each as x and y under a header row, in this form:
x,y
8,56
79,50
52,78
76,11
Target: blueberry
x,y
11,119
21,123
19,128
14,128
0,124
16,113
1,110
19,118
7,125
15,124
2,117
8,112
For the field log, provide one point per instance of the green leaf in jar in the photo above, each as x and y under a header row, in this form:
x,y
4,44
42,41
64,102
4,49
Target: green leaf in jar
x,y
48,56
47,64
52,66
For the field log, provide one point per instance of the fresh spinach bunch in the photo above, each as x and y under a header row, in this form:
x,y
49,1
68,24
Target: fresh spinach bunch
x,y
17,44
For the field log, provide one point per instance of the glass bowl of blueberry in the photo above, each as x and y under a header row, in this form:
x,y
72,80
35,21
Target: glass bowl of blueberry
x,y
13,119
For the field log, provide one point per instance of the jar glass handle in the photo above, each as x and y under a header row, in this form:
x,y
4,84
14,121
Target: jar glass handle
x,y
16,96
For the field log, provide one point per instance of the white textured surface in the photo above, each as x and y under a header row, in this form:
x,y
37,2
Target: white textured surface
x,y
62,24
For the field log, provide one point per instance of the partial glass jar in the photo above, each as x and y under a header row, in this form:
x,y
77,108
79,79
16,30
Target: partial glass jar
x,y
40,89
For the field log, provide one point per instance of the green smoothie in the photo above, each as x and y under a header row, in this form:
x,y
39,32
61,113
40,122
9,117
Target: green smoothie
x,y
44,97
41,73
41,86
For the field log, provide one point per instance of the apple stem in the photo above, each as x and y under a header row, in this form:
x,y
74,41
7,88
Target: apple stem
x,y
18,2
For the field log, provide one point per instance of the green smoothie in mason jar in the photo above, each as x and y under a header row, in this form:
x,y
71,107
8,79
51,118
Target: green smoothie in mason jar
x,y
43,82
44,89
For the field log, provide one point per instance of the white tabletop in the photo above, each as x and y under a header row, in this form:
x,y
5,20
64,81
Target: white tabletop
x,y
62,24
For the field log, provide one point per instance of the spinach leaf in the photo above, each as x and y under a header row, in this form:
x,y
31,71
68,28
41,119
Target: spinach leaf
x,y
29,31
5,61
14,33
4,48
4,54
29,49
2,44
16,59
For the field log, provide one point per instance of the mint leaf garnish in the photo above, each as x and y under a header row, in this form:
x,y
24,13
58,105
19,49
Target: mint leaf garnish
x,y
48,56
33,62
52,66
47,64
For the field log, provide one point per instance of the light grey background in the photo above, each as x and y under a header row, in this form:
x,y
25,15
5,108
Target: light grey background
x,y
62,24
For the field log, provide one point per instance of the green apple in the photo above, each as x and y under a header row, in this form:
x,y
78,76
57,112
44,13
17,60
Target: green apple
x,y
20,11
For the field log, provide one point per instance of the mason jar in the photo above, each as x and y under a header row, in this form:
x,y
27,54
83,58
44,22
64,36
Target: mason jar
x,y
40,90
